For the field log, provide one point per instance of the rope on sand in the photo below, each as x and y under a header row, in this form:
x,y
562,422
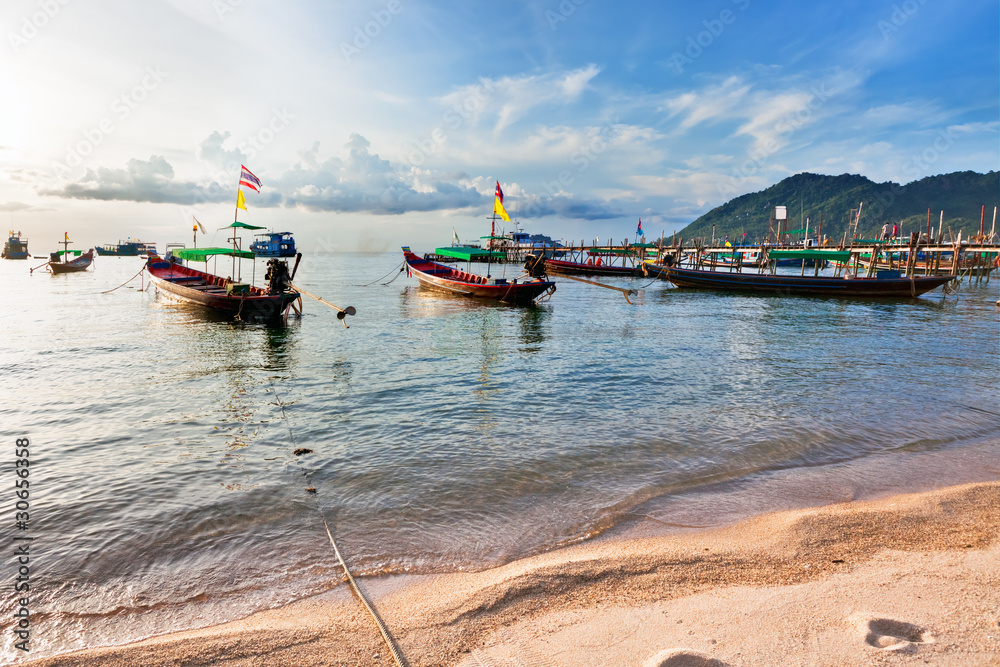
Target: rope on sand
x,y
364,601
350,578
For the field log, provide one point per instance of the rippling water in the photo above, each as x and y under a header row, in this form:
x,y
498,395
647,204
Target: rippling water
x,y
446,434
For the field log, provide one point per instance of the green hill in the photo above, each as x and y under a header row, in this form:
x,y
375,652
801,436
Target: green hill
x,y
960,195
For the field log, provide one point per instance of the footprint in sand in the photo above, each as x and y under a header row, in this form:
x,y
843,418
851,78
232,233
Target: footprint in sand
x,y
682,657
891,635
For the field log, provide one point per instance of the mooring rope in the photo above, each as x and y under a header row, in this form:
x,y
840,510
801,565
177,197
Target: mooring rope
x,y
383,277
126,282
383,630
361,596
281,406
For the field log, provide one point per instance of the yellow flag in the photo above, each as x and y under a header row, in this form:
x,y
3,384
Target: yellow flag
x,y
66,236
498,209
241,201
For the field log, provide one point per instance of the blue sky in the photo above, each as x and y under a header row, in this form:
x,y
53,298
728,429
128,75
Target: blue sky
x,y
376,124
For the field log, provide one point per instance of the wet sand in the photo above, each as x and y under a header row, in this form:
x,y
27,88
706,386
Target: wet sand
x,y
911,579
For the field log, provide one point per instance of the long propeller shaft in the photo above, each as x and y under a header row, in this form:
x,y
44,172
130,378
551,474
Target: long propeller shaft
x,y
624,291
341,312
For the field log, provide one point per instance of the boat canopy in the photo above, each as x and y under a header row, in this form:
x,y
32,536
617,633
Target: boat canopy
x,y
611,251
241,225
74,253
831,255
466,253
202,254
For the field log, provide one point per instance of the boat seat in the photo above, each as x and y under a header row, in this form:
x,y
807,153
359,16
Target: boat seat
x,y
184,279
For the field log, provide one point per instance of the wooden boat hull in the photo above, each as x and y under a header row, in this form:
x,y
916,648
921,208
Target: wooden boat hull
x,y
81,263
445,278
192,286
579,268
965,268
767,283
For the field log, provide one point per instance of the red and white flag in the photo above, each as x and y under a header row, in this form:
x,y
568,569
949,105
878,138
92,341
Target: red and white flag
x,y
249,180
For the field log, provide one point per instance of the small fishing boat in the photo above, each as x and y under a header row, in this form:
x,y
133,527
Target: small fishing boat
x,y
882,284
625,261
127,248
594,266
456,281
968,265
15,247
60,262
276,244
240,300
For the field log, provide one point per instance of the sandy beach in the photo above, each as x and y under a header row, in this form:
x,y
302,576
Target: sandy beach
x,y
904,580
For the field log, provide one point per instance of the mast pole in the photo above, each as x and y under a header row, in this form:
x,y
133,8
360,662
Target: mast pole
x,y
236,214
489,251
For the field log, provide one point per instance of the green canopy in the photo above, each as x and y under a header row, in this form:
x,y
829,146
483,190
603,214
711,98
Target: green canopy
x,y
202,254
795,231
617,252
241,225
466,253
831,255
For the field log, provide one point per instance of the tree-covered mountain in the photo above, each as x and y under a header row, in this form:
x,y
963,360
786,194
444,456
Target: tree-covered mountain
x,y
961,195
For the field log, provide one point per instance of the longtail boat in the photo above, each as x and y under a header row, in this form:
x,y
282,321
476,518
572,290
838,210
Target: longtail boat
x,y
602,261
456,281
592,267
882,284
240,300
59,262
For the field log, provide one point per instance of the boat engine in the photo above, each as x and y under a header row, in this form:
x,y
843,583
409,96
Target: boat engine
x,y
534,265
277,276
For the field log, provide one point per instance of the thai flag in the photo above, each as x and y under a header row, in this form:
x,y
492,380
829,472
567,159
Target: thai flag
x,y
638,231
249,180
499,192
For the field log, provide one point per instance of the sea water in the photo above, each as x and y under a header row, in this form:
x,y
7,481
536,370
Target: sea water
x,y
445,434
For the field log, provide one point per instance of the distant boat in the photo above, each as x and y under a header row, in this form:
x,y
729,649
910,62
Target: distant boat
x,y
15,247
277,244
456,281
522,243
128,249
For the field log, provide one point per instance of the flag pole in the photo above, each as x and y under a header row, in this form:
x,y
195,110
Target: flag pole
x,y
489,251
236,215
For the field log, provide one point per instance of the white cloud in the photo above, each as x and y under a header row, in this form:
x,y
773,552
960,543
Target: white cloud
x,y
509,99
975,128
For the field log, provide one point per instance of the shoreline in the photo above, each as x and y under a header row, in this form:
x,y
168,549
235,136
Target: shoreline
x,y
895,580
